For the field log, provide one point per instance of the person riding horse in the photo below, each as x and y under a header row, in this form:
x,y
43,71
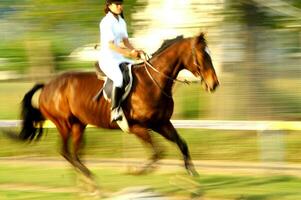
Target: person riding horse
x,y
113,32
66,101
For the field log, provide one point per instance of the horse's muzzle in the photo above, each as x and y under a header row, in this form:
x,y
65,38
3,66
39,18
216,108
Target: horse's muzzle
x,y
215,85
210,87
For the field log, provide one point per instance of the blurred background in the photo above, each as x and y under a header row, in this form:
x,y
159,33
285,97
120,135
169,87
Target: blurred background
x,y
255,46
256,50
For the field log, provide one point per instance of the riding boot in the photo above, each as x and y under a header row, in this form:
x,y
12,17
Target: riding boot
x,y
115,104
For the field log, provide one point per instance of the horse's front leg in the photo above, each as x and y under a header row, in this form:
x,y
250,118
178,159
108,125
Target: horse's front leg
x,y
168,131
143,134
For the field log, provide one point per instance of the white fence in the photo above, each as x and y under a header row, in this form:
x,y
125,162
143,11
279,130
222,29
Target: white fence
x,y
207,124
270,133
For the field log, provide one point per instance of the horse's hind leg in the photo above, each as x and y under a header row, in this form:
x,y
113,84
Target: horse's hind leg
x,y
86,179
77,133
169,132
77,130
64,131
143,134
65,134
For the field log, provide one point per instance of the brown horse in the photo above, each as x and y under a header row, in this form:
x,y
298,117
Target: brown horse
x,y
67,100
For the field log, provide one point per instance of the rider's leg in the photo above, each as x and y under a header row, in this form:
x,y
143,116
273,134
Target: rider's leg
x,y
115,104
116,96
113,72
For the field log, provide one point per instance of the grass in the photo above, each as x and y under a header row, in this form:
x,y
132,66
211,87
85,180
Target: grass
x,y
204,145
171,183
252,188
10,98
17,195
28,180
100,143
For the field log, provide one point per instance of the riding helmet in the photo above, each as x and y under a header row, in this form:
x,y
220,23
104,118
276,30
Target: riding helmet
x,y
114,1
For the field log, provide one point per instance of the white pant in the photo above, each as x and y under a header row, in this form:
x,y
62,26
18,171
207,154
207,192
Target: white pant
x,y
112,71
110,66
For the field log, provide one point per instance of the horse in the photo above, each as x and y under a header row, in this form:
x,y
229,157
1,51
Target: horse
x,y
66,100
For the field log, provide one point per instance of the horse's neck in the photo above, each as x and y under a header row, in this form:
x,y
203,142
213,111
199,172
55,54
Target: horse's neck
x,y
168,63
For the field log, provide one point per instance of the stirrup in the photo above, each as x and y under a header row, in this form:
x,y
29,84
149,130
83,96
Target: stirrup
x,y
116,115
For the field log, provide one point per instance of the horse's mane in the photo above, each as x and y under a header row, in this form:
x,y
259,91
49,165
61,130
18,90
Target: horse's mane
x,y
167,43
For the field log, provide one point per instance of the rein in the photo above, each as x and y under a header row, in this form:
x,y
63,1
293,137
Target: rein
x,y
153,68
148,64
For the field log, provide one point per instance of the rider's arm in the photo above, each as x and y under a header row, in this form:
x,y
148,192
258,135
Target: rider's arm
x,y
127,43
128,52
107,35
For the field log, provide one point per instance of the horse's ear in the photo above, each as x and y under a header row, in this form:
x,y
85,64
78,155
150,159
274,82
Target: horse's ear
x,y
201,38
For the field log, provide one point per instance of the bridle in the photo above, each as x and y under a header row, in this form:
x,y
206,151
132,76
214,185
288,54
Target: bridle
x,y
147,65
195,62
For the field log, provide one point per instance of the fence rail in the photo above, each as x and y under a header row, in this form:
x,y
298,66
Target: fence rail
x,y
270,133
205,124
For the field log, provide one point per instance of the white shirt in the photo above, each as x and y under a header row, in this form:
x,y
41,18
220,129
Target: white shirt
x,y
115,30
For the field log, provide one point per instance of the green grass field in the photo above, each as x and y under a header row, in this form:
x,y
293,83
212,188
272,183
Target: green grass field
x,y
32,181
59,182
203,144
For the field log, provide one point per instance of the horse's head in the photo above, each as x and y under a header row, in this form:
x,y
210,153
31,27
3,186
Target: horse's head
x,y
200,64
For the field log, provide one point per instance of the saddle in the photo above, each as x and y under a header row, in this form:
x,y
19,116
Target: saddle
x,y
106,90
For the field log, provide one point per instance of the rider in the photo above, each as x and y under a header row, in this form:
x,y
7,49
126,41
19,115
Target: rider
x,y
113,32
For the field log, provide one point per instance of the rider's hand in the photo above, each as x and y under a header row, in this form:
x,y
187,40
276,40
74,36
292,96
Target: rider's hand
x,y
135,54
142,54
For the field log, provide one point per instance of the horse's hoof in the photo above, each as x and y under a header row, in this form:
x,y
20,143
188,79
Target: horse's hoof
x,y
140,171
193,173
132,170
136,171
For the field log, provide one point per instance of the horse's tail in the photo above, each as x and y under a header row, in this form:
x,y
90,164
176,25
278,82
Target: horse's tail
x,y
32,118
